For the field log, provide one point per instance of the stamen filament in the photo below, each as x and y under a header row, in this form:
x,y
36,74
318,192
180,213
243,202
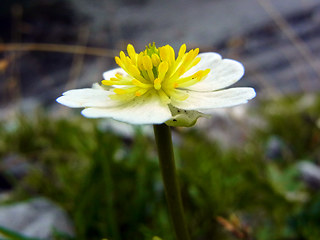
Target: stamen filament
x,y
164,97
140,84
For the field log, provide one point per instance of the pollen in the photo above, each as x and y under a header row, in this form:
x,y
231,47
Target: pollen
x,y
155,71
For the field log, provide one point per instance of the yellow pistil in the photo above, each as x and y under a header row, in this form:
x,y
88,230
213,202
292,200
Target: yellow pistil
x,y
155,71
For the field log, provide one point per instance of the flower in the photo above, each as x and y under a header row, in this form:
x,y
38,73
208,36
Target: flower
x,y
154,87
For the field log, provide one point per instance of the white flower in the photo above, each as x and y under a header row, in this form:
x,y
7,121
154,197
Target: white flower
x,y
154,87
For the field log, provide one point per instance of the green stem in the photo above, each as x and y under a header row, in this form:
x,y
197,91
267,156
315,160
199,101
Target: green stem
x,y
166,158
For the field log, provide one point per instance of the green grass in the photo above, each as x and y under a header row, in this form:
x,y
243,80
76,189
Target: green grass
x,y
111,186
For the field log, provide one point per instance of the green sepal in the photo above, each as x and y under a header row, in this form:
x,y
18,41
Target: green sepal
x,y
184,118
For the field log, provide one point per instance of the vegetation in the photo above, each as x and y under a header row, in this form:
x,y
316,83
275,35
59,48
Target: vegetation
x,y
111,185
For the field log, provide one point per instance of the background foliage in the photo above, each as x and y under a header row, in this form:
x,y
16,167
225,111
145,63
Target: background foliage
x,y
111,185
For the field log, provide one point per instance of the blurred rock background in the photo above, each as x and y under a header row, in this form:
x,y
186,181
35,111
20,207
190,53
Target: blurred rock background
x,y
260,160
277,41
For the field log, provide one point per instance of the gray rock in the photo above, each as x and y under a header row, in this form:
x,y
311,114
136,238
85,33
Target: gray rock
x,y
38,218
275,148
15,165
310,173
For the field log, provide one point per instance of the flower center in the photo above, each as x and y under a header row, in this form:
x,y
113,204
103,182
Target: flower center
x,y
155,71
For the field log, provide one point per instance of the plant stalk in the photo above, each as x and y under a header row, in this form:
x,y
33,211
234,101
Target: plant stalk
x,y
172,190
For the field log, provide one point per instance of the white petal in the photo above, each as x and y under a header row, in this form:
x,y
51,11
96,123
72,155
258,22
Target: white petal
x,y
86,97
97,86
217,99
142,110
112,73
224,72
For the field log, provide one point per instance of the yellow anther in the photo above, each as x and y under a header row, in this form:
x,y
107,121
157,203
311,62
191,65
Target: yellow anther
x,y
196,52
140,62
131,52
128,60
120,91
155,60
118,75
181,70
134,71
175,85
157,84
193,79
115,81
206,72
195,62
107,82
163,53
171,54
200,74
162,70
197,74
182,50
189,56
118,61
147,63
123,58
163,67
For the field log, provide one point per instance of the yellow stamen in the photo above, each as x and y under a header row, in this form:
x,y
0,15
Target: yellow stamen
x,y
107,82
140,92
155,71
116,81
134,71
147,63
118,61
131,52
162,70
157,84
163,53
171,54
195,62
182,51
155,60
119,75
120,91
140,84
193,79
124,97
164,97
140,62
178,95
